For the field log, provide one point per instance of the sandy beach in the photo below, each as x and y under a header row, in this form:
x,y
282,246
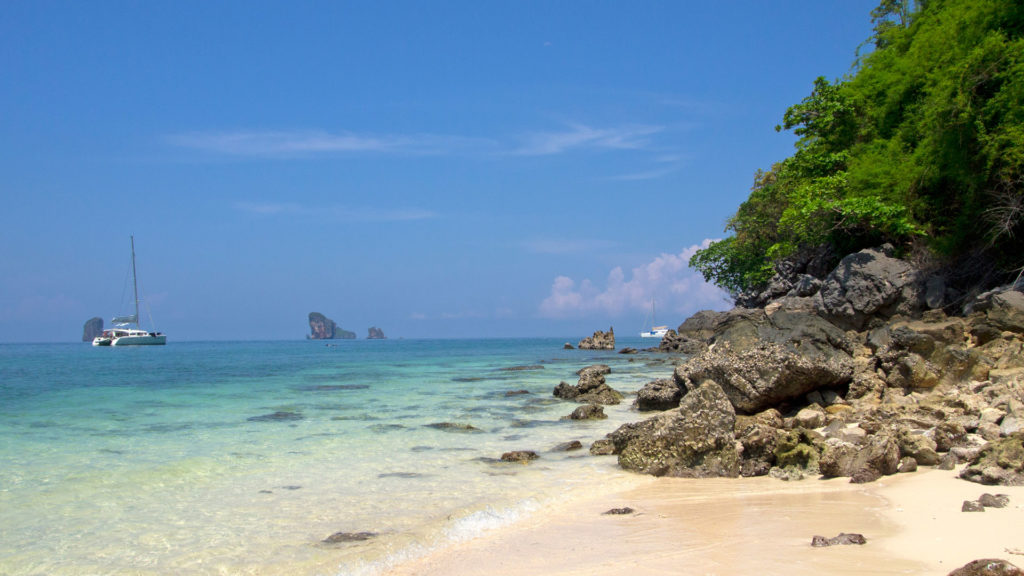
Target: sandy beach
x,y
913,524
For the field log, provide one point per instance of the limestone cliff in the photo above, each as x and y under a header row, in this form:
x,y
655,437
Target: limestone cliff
x,y
375,334
93,328
323,328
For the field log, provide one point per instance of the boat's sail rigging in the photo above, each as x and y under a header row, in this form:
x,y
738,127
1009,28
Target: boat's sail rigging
x,y
122,335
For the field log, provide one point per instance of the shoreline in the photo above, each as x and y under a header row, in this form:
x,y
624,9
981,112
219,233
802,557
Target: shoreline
x,y
732,526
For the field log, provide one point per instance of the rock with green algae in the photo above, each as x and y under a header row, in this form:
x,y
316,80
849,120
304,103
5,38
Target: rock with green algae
x,y
799,449
1000,462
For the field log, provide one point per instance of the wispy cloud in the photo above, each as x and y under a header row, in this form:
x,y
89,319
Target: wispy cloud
x,y
581,136
341,213
667,278
286,144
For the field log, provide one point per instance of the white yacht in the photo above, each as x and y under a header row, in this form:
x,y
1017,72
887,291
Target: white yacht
x,y
123,334
655,331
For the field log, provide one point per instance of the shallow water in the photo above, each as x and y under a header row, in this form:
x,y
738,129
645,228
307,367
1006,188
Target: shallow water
x,y
241,458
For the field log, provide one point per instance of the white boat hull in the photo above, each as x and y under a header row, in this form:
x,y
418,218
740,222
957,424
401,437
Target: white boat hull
x,y
654,334
147,340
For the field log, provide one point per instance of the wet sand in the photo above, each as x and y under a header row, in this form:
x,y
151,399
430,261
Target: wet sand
x,y
912,522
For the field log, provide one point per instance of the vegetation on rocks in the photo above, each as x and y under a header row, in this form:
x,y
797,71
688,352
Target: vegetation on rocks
x,y
921,145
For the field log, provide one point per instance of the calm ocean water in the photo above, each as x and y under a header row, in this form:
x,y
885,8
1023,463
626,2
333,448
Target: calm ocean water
x,y
241,458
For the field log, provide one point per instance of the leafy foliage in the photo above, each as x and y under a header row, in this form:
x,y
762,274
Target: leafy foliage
x,y
925,140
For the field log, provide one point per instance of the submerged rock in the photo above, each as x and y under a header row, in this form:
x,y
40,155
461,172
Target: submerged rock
x,y
842,539
453,427
587,412
519,456
341,537
279,416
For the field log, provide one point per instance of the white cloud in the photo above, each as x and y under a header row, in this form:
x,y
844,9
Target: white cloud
x,y
667,279
579,136
287,144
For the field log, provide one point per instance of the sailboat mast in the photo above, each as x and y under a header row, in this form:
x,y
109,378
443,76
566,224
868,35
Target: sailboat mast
x,y
135,283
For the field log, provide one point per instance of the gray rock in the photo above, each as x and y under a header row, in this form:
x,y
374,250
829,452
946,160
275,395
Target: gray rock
x,y
588,412
972,506
599,341
870,283
696,441
907,464
568,446
840,540
999,462
663,394
590,389
766,374
987,567
994,500
93,327
519,456
1010,425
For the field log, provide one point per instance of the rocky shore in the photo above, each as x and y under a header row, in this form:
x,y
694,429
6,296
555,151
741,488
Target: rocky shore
x,y
873,369
869,370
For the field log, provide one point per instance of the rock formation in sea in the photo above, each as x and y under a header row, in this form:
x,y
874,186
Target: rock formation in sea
x,y
323,328
860,371
375,334
93,328
599,341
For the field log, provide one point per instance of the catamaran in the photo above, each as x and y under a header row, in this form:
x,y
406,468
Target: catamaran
x,y
655,331
123,334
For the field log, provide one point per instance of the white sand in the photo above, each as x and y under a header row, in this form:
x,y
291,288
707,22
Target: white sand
x,y
912,522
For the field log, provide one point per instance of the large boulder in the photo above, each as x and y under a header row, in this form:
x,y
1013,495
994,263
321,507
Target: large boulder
x,y
766,374
868,284
879,453
1000,462
599,341
696,441
987,567
661,394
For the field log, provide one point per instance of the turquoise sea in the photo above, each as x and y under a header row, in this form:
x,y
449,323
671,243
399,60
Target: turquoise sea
x,y
242,457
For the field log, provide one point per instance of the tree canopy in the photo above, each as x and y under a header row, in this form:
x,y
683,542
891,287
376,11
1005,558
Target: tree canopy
x,y
921,145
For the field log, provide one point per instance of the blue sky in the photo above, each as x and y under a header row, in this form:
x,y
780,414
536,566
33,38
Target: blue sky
x,y
449,169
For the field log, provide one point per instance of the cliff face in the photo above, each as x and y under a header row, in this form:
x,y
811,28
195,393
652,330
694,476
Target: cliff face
x,y
93,328
375,334
323,328
599,341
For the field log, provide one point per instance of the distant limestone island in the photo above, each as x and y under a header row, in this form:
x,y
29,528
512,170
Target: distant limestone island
x,y
93,328
323,328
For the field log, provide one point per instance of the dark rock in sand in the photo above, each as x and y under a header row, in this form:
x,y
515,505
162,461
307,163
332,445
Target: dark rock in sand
x,y
341,537
93,327
619,511
520,456
842,539
663,394
599,341
279,416
587,412
972,506
907,464
696,441
987,567
994,500
999,462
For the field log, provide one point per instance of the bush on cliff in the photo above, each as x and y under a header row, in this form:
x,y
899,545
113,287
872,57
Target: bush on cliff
x,y
922,144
